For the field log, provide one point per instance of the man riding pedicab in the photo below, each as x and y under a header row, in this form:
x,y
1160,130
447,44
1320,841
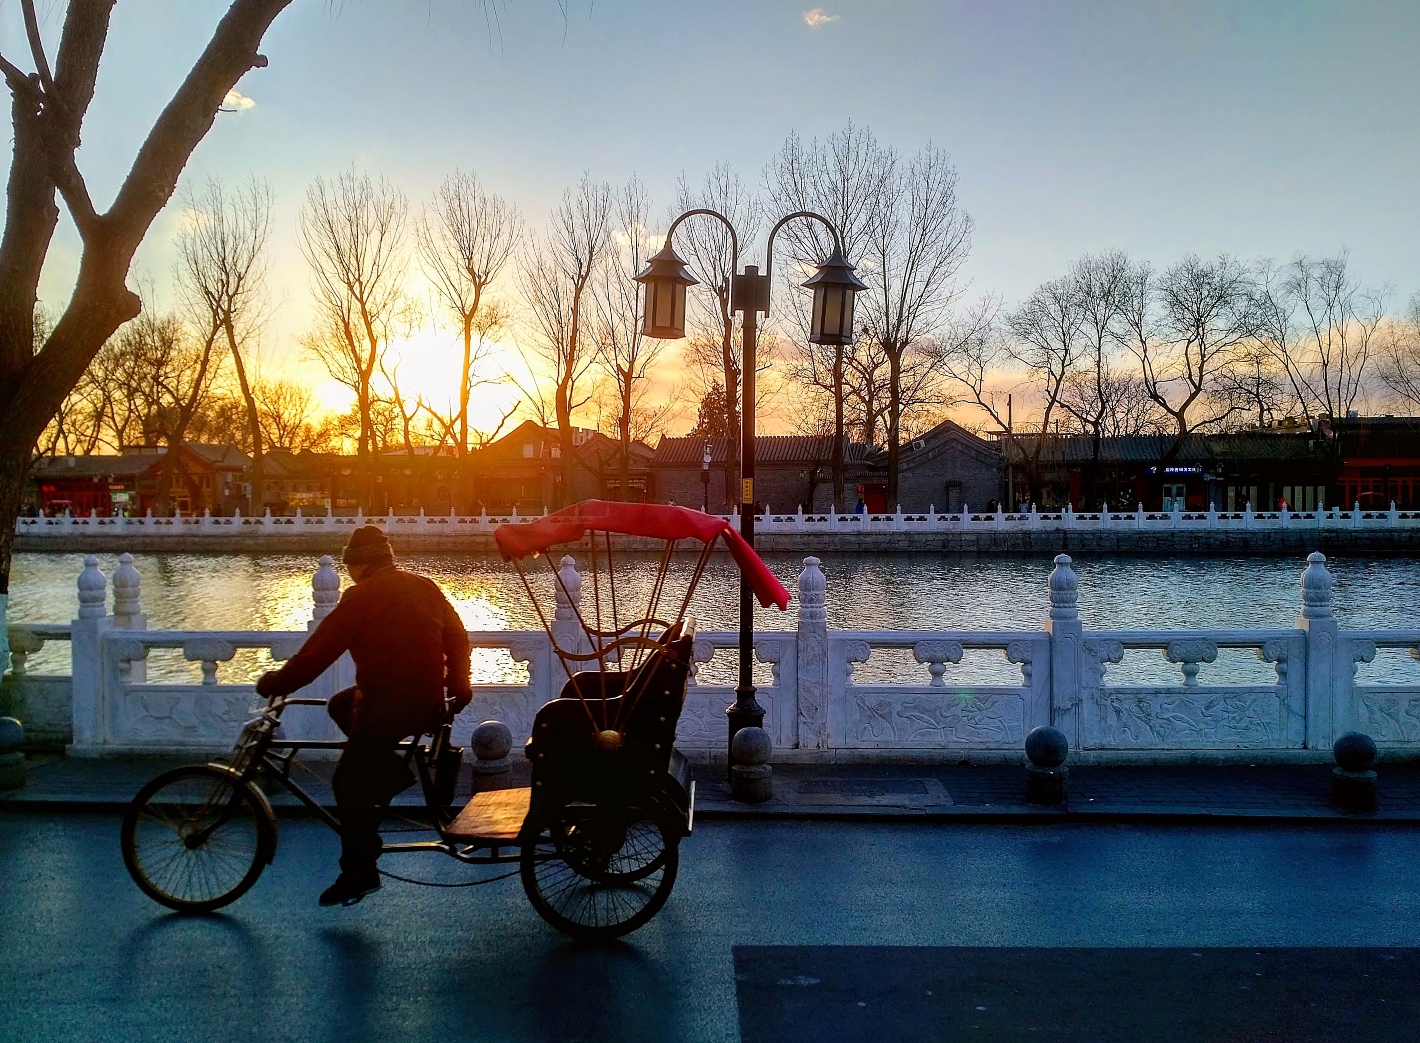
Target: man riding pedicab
x,y
409,648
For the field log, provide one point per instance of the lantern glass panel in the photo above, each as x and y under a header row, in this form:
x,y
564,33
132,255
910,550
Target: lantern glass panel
x,y
816,315
663,303
849,299
833,311
678,307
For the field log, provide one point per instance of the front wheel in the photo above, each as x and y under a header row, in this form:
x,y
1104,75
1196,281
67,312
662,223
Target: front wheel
x,y
595,872
196,838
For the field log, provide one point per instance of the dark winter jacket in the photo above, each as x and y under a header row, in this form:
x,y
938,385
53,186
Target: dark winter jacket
x,y
408,644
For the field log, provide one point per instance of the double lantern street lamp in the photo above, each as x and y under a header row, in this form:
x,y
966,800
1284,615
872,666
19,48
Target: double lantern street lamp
x,y
831,322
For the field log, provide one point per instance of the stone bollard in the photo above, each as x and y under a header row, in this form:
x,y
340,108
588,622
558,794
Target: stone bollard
x,y
1047,778
492,742
1353,782
12,760
751,777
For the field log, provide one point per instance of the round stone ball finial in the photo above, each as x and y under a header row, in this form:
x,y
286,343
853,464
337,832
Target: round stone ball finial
x,y
492,742
12,760
751,747
12,735
1354,752
751,776
1047,747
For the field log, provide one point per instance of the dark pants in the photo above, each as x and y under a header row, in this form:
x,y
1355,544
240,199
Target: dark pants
x,y
363,784
368,775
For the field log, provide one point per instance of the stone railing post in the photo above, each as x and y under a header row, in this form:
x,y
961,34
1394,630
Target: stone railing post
x,y
1324,656
1066,635
567,630
127,607
812,658
86,660
325,590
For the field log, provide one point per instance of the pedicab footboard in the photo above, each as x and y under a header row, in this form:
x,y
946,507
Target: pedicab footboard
x,y
492,815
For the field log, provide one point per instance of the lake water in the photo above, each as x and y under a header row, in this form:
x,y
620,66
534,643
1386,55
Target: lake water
x,y
273,592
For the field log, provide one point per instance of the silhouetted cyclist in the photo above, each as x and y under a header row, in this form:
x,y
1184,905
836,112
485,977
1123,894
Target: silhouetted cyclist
x,y
409,648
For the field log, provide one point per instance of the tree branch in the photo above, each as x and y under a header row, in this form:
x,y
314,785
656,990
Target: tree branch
x,y
37,49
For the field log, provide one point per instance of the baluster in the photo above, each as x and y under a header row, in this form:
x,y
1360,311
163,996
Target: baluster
x,y
1189,654
91,586
127,588
325,588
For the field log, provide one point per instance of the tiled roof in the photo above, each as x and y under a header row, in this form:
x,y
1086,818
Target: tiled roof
x,y
97,466
220,455
688,450
1194,448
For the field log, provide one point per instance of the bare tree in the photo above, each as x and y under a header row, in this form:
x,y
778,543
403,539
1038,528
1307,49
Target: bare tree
x,y
625,355
1046,342
47,115
1102,396
220,274
840,178
557,285
466,236
187,388
1400,356
1319,325
917,240
288,415
353,236
1186,328
713,349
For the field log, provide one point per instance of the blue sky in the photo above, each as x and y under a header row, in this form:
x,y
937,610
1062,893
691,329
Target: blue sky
x,y
1259,128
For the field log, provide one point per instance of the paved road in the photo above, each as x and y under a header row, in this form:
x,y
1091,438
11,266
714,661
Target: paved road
x,y
84,956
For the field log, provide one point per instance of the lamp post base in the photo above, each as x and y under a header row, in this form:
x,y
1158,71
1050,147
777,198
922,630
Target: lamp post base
x,y
744,712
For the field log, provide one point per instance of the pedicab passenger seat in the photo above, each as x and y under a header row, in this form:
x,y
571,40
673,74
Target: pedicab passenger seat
x,y
566,763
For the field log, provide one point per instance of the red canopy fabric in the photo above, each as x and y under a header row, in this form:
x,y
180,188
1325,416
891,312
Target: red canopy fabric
x,y
653,520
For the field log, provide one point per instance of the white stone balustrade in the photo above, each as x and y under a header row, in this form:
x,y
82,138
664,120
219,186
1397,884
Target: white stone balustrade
x,y
828,694
930,522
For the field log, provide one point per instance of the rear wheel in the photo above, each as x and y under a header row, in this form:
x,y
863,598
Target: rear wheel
x,y
594,872
197,838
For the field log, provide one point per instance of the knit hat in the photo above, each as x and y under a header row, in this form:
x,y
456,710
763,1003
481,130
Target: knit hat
x,y
368,546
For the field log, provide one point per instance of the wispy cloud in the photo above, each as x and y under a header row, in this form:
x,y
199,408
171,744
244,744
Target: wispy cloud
x,y
236,101
818,17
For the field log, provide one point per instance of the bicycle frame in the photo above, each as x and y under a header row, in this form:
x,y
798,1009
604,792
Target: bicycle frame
x,y
259,754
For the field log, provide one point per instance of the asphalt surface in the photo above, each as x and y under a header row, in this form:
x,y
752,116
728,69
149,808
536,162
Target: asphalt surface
x,y
83,955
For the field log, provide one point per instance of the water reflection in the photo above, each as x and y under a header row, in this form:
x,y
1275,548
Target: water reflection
x,y
260,592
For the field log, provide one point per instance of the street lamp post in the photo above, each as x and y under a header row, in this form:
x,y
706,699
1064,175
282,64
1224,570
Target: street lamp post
x,y
831,322
705,480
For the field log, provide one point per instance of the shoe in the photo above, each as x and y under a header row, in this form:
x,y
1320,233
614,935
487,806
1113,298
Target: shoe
x,y
348,890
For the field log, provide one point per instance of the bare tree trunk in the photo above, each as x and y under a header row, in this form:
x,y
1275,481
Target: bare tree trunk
x,y
894,422
258,471
625,432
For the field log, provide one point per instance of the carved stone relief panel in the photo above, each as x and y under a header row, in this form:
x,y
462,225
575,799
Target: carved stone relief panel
x,y
702,720
977,717
1196,718
178,715
1389,716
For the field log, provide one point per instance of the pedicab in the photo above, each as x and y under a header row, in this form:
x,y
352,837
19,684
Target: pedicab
x,y
595,837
